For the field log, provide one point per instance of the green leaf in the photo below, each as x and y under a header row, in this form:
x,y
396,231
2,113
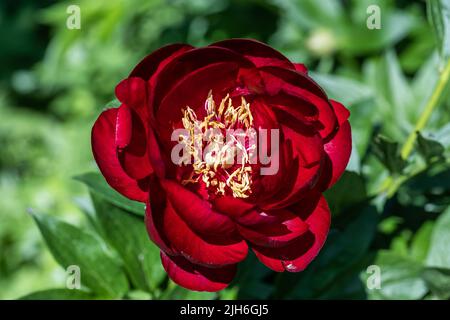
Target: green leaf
x,y
439,16
431,150
339,196
127,234
70,245
344,90
97,183
439,253
400,93
400,278
175,292
388,153
113,104
58,294
438,280
395,25
421,242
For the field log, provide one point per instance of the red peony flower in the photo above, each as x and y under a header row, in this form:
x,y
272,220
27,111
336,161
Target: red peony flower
x,y
257,183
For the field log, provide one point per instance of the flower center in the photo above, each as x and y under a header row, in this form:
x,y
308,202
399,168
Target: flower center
x,y
226,137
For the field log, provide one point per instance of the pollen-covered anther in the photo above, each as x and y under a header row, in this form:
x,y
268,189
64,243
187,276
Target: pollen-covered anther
x,y
220,145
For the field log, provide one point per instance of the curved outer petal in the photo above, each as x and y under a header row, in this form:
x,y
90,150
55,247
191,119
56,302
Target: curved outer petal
x,y
257,52
300,67
233,207
296,256
154,214
190,62
198,213
338,149
104,148
195,277
154,62
303,169
281,228
198,249
131,130
301,86
133,92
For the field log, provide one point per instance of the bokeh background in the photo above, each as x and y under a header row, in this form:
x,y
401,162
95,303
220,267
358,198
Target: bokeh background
x,y
54,82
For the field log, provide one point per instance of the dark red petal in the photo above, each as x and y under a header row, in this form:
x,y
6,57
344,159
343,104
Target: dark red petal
x,y
197,249
154,216
302,170
198,213
285,228
257,52
338,151
341,112
301,67
103,138
300,85
132,145
295,257
233,207
123,126
131,130
132,92
192,91
157,59
194,277
190,62
294,106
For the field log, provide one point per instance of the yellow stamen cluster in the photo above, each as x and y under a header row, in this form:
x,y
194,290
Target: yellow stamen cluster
x,y
216,168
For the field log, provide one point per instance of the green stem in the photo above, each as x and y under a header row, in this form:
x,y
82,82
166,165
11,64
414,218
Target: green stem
x,y
391,184
426,114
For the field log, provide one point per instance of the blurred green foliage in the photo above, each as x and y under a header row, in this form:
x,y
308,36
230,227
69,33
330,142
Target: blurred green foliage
x,y
55,81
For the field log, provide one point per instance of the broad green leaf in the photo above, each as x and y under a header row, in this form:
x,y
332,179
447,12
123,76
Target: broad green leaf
x,y
344,90
361,40
97,183
443,136
127,234
400,94
399,244
395,103
59,294
400,278
70,245
438,280
421,242
439,15
431,150
439,253
387,151
425,79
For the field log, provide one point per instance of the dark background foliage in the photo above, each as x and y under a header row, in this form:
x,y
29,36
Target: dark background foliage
x,y
390,209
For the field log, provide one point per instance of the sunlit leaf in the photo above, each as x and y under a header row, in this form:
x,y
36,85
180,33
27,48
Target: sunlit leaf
x,y
71,246
127,234
97,183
